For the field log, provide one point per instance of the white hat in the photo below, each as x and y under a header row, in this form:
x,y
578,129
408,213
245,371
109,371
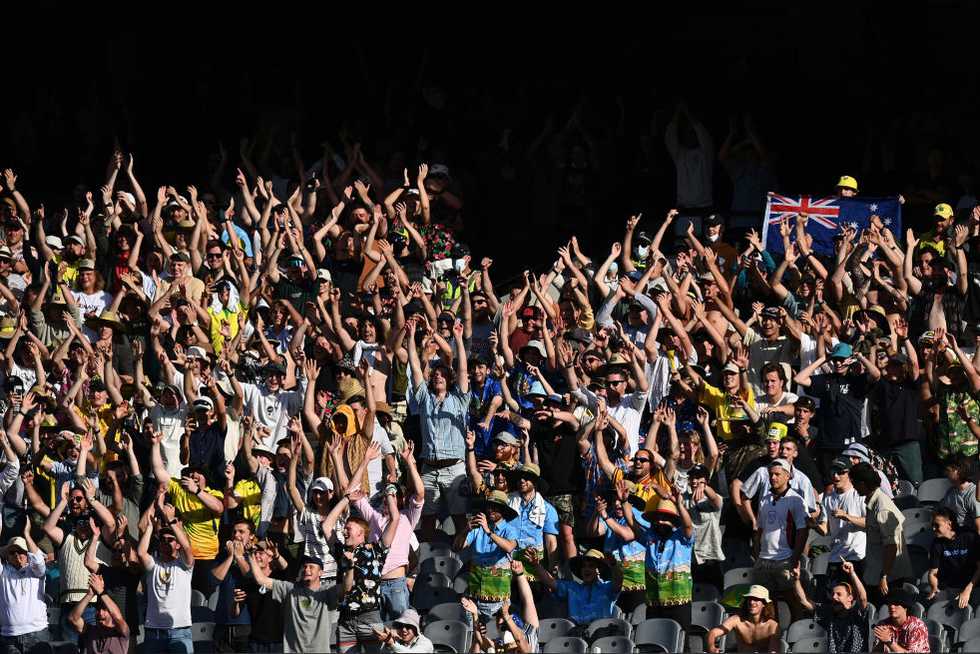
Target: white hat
x,y
54,242
128,197
758,592
324,274
203,402
781,463
321,484
16,542
196,352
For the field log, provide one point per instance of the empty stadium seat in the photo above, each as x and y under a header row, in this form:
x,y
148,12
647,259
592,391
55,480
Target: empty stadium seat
x,y
658,635
453,634
551,628
706,615
612,645
566,645
931,491
802,629
622,628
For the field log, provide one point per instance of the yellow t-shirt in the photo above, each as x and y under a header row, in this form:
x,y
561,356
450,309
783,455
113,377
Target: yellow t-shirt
x,y
200,524
249,495
225,317
717,400
645,489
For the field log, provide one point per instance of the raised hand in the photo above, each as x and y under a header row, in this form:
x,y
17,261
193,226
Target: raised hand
x,y
632,222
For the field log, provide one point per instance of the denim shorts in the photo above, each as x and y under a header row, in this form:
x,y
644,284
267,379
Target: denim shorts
x,y
443,490
394,598
168,641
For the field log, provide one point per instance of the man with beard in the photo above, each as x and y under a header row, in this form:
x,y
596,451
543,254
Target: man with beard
x,y
845,618
307,605
553,431
168,585
537,520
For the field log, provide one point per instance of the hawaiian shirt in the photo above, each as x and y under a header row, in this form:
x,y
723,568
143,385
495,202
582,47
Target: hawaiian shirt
x,y
365,594
955,436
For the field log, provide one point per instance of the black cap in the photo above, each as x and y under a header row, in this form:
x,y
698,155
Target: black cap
x,y
310,559
714,219
180,256
698,471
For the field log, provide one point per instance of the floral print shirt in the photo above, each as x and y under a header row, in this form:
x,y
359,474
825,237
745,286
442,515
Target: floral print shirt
x,y
365,595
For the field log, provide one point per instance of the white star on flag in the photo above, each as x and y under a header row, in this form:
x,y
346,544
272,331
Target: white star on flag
x,y
873,207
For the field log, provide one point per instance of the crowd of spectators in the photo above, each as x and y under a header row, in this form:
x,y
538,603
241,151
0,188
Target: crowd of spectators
x,y
299,415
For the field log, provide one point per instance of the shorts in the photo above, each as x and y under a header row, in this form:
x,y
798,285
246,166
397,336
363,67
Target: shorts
x,y
565,506
444,490
358,630
775,575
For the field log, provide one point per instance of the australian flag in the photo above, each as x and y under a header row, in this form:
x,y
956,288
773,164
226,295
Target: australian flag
x,y
827,216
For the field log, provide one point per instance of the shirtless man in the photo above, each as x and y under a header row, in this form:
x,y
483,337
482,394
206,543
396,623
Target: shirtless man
x,y
755,624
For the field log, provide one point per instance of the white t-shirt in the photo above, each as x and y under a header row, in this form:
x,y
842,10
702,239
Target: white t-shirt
x,y
848,540
272,410
171,425
22,608
758,485
168,595
376,470
775,515
91,303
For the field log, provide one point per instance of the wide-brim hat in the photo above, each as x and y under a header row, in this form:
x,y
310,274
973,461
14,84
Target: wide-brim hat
x,y
664,510
498,500
529,470
107,318
575,565
757,592
17,542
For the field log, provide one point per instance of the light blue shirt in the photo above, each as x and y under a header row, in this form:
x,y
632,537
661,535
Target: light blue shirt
x,y
443,423
587,602
244,240
530,534
487,553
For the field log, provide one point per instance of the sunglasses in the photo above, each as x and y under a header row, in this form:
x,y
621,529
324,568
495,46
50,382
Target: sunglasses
x,y
615,382
639,460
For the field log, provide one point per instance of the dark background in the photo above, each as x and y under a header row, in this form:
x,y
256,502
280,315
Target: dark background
x,y
169,82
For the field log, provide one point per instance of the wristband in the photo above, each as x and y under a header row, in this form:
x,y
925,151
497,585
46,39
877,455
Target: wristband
x,y
471,449
518,574
172,522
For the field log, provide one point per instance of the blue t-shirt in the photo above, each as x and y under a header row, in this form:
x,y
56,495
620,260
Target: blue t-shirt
x,y
487,553
529,533
587,602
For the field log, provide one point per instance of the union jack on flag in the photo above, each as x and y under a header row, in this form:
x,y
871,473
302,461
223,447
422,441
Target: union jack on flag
x,y
826,216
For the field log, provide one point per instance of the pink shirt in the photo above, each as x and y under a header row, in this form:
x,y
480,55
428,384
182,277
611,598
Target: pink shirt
x,y
398,553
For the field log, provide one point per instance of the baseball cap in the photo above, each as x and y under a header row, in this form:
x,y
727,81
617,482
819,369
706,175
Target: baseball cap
x,y
180,256
731,367
196,352
321,484
846,181
530,312
54,242
806,403
943,210
714,219
772,312
203,402
840,464
323,275
781,463
86,264
507,437
841,351
75,238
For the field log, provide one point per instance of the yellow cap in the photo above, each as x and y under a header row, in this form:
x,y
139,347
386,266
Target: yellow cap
x,y
777,432
944,210
846,181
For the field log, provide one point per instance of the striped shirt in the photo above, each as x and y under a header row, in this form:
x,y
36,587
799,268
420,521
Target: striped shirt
x,y
443,423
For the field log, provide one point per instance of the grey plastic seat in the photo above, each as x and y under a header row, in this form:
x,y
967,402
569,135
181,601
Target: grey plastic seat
x,y
612,645
737,576
803,629
659,635
202,633
705,616
705,593
972,645
819,564
948,614
904,488
551,628
623,627
921,514
433,580
424,598
931,491
969,630
449,633
461,583
638,615
447,611
447,565
810,646
566,645
428,550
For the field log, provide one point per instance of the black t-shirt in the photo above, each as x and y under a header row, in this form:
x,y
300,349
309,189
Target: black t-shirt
x,y
558,457
266,613
207,450
297,292
955,558
841,402
896,409
845,630
345,274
